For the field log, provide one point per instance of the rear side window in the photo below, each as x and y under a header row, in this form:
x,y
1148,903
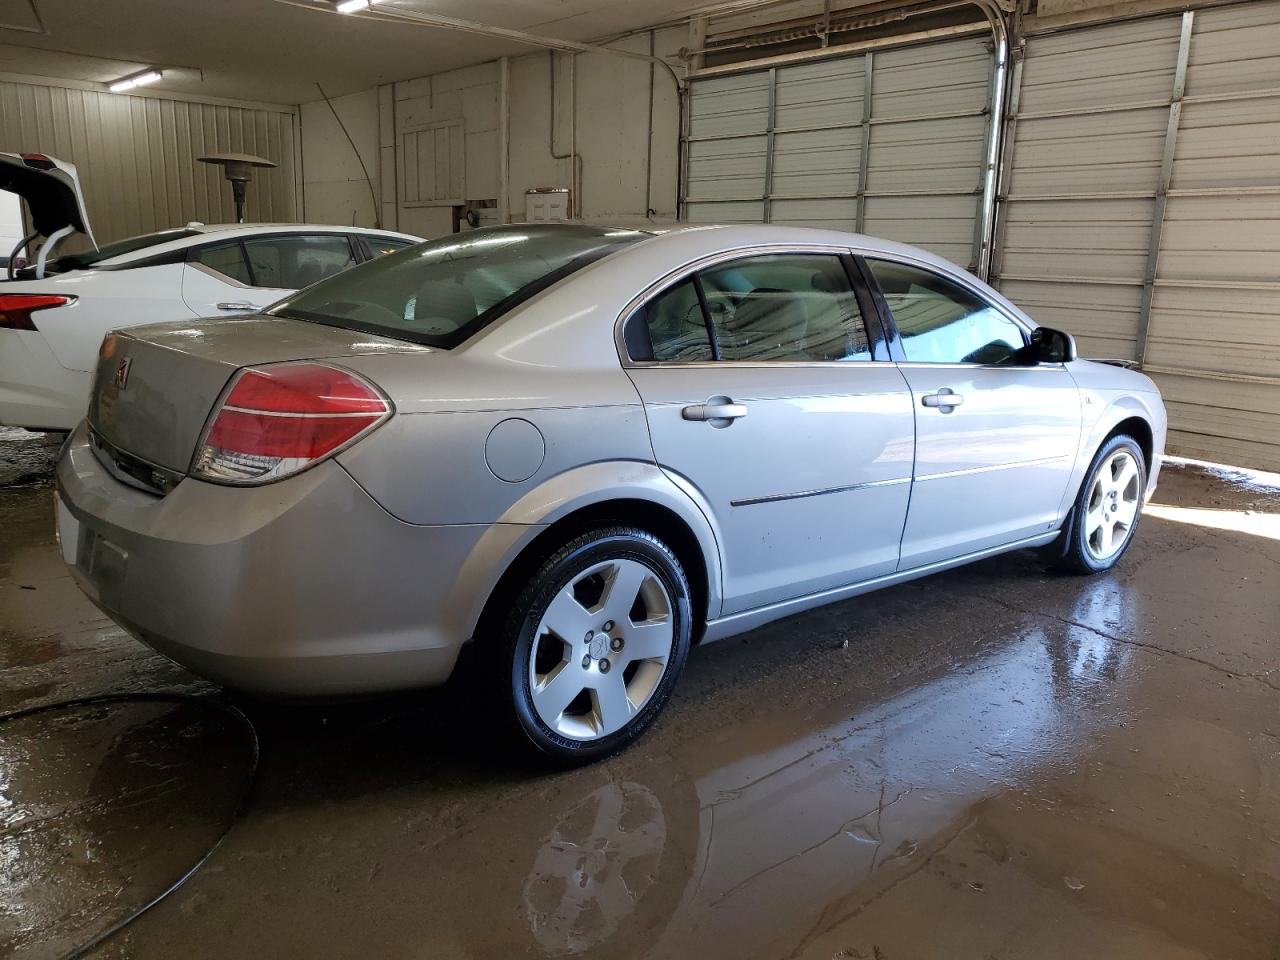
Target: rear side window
x,y
782,308
788,307
676,325
381,246
942,322
226,259
294,262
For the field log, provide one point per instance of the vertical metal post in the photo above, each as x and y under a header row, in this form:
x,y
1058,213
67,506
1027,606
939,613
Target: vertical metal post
x,y
979,236
1162,187
299,177
684,98
504,139
768,144
1006,162
864,154
684,101
648,142
987,209
397,158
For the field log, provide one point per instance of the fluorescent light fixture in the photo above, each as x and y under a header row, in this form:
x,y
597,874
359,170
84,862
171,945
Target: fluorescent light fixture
x,y
135,80
353,6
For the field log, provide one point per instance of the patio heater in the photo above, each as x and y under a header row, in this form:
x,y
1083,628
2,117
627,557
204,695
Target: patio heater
x,y
237,168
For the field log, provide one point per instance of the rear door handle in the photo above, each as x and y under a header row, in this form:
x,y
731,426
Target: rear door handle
x,y
945,399
237,305
718,411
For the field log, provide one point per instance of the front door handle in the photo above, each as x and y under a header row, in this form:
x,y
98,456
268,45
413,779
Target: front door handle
x,y
237,305
945,399
718,411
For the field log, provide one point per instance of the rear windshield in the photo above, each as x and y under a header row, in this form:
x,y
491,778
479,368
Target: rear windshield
x,y
441,292
79,261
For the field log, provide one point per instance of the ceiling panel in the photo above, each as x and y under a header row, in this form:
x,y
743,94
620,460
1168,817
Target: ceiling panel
x,y
274,52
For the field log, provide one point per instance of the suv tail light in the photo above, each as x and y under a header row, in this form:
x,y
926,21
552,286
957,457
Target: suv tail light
x,y
16,308
277,420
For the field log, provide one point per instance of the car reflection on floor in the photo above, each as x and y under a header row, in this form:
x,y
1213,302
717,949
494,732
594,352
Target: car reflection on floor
x,y
989,762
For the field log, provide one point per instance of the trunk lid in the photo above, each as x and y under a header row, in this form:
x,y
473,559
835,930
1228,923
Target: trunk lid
x,y
51,188
156,385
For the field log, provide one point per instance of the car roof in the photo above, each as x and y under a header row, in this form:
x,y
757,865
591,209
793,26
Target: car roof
x,y
203,232
713,237
641,268
291,228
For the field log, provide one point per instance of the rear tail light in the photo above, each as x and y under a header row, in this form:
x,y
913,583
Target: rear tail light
x,y
16,308
279,419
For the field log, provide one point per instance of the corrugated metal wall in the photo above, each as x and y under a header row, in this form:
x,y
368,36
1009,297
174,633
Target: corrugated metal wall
x,y
1143,211
805,144
1086,139
136,155
1215,312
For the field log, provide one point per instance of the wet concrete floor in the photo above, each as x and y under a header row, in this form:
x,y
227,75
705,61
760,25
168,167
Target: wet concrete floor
x,y
992,763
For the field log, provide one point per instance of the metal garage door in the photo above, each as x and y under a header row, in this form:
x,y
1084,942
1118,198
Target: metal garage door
x,y
888,143
1143,211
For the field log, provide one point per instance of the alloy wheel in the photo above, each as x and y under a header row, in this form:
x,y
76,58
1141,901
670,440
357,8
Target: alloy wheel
x,y
1112,508
601,649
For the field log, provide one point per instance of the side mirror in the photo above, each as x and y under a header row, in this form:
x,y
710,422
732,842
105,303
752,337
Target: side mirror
x,y
1051,346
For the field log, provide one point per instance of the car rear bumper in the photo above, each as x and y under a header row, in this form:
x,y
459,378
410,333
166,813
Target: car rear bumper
x,y
304,587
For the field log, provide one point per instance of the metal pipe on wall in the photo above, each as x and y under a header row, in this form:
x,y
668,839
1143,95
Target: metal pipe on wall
x,y
575,178
648,143
991,172
575,160
504,139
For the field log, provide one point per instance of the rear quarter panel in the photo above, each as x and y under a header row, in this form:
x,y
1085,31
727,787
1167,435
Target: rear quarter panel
x,y
434,462
109,300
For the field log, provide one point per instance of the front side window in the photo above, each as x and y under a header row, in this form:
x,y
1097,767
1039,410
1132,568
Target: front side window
x,y
442,291
291,262
942,322
785,307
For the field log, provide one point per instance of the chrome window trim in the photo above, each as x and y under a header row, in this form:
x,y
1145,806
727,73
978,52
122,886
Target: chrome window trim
x,y
752,364
690,267
935,365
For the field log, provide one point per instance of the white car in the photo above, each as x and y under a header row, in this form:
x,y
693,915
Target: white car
x,y
54,313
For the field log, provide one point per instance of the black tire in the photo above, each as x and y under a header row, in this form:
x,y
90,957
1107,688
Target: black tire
x,y
1072,554
507,666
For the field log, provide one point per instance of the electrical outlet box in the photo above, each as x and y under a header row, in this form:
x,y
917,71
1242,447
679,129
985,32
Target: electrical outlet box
x,y
546,204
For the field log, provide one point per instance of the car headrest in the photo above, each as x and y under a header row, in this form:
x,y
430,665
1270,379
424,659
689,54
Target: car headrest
x,y
307,274
447,304
768,309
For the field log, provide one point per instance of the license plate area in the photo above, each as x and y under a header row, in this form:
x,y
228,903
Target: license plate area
x,y
101,562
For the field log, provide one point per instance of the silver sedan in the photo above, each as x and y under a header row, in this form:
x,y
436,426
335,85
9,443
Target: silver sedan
x,y
582,450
